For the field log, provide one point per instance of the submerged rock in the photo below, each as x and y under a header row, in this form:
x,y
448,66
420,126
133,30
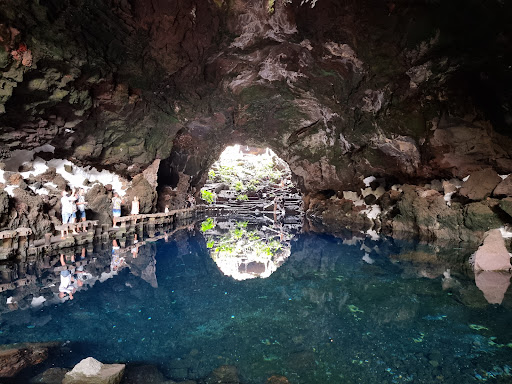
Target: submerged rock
x,y
50,376
225,374
276,379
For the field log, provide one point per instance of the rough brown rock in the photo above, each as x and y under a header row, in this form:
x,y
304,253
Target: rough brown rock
x,y
480,217
480,184
504,188
506,205
13,358
492,255
144,191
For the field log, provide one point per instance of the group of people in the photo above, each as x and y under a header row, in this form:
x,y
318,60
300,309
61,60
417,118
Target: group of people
x,y
72,207
116,208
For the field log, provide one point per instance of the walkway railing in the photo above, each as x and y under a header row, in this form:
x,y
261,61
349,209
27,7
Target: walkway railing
x,y
21,242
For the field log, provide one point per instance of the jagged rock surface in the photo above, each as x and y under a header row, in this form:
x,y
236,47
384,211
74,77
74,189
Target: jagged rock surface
x,y
340,91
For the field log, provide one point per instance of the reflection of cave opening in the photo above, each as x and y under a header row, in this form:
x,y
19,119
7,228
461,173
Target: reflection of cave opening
x,y
252,181
255,210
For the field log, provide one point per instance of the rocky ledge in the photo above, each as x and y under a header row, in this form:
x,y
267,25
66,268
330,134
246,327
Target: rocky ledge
x,y
403,92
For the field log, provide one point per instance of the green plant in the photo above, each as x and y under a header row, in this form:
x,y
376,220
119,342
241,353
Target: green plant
x,y
211,174
270,6
207,196
239,186
242,198
207,224
210,244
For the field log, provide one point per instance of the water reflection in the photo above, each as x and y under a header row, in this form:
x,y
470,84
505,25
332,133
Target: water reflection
x,y
245,250
337,310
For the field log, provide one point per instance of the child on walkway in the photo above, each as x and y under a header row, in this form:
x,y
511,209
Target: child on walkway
x,y
116,208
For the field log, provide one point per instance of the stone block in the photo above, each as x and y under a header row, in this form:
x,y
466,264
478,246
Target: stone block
x,y
91,371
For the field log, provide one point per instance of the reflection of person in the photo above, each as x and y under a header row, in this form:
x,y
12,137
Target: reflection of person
x,y
135,248
116,208
135,206
117,261
66,286
67,258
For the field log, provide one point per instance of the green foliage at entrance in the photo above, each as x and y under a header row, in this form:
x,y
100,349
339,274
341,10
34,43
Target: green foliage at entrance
x,y
207,196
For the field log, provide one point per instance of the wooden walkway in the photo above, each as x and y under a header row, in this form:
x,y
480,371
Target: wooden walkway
x,y
21,242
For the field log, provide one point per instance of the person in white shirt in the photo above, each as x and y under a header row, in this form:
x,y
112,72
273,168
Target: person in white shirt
x,y
67,203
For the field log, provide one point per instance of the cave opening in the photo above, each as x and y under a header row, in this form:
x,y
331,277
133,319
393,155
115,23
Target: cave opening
x,y
252,180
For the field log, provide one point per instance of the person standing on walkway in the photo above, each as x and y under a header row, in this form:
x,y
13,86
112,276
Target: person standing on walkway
x,y
67,203
116,208
80,204
135,206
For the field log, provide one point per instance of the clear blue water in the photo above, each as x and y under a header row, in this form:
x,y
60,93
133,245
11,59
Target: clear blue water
x,y
324,316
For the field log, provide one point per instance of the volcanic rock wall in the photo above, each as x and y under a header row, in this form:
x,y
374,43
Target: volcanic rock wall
x,y
409,91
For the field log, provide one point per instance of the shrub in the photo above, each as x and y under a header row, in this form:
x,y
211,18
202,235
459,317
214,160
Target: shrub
x,y
207,196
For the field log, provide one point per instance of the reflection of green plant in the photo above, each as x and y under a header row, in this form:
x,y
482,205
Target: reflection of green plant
x,y
240,241
207,224
207,196
242,198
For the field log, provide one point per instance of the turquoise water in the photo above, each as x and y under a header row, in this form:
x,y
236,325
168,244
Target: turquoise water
x,y
334,311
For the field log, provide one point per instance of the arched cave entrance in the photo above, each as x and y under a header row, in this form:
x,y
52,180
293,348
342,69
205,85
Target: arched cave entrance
x,y
241,179
249,180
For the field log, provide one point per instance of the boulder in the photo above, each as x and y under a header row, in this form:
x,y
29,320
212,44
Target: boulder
x,y
493,284
91,371
504,188
143,374
480,184
480,217
100,203
15,357
492,255
506,205
144,191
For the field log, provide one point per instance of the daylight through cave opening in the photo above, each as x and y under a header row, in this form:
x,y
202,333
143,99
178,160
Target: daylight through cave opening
x,y
252,180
